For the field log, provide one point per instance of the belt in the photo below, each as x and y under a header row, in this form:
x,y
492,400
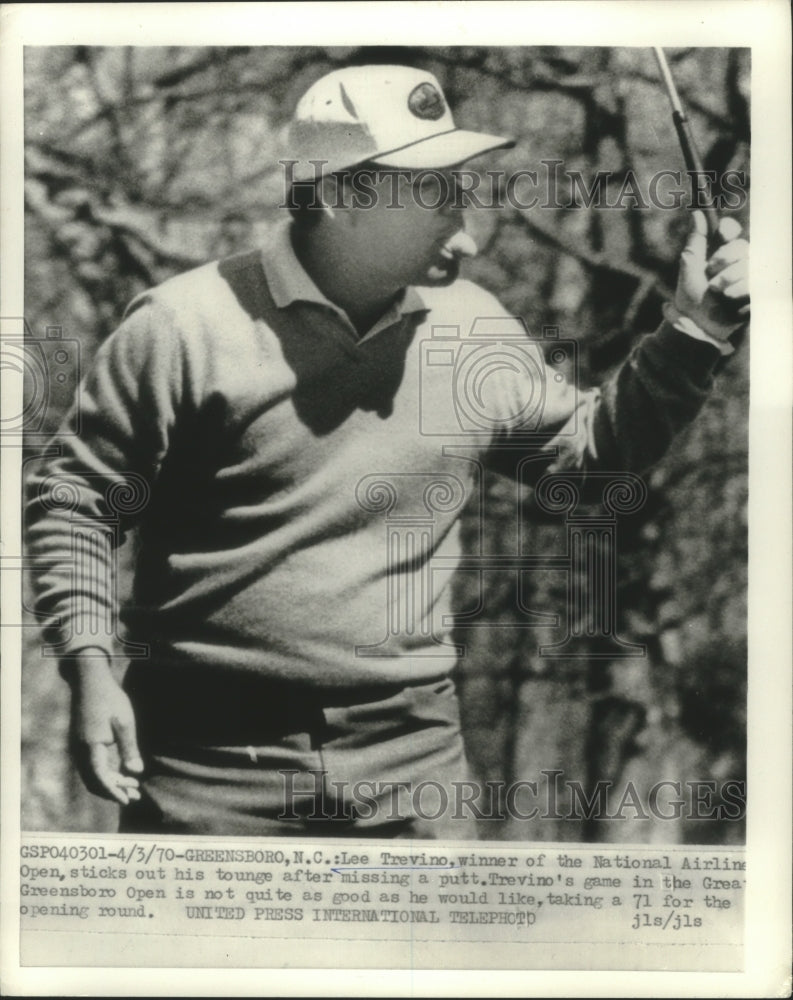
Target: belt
x,y
221,708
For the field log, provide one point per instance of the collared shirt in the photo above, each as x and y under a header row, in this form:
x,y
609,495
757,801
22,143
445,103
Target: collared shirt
x,y
289,282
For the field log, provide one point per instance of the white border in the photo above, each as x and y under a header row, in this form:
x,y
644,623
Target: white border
x,y
762,24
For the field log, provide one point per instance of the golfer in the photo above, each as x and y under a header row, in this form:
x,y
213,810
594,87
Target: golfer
x,y
269,415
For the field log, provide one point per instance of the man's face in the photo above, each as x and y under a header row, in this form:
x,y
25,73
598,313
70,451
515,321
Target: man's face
x,y
405,223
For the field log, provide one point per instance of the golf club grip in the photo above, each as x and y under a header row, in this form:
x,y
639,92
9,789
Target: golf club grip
x,y
699,180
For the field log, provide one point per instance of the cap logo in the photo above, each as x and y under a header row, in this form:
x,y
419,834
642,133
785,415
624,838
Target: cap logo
x,y
426,101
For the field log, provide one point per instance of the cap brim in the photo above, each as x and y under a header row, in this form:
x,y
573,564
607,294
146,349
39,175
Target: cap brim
x,y
448,149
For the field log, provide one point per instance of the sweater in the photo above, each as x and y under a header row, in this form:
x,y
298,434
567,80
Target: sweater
x,y
294,485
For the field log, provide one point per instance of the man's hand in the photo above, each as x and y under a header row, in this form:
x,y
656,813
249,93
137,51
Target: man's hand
x,y
714,292
103,737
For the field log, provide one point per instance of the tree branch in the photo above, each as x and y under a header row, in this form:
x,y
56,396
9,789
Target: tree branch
x,y
592,261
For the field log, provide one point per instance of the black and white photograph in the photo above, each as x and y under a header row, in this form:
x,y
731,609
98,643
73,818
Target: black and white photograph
x,y
386,507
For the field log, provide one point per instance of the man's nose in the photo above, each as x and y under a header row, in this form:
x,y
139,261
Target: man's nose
x,y
456,200
455,195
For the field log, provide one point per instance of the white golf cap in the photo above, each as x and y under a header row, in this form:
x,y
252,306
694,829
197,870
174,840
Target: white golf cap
x,y
393,115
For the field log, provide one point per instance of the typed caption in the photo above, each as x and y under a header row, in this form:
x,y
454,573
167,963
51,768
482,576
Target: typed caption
x,y
186,903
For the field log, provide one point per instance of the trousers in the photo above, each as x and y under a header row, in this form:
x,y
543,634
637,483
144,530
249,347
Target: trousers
x,y
244,756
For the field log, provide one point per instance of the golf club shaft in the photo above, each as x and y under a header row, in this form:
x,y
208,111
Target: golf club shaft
x,y
688,145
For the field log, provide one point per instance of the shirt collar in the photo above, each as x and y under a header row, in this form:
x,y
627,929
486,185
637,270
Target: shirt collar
x,y
288,281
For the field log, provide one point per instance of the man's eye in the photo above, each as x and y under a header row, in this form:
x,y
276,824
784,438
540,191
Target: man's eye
x,y
432,190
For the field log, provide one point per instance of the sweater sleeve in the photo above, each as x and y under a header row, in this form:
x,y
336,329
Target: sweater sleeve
x,y
97,475
631,420
655,394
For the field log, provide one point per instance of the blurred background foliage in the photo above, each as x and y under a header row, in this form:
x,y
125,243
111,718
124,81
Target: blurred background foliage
x,y
142,162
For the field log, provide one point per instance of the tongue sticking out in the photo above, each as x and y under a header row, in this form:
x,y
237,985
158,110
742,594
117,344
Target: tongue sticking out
x,y
452,252
460,245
